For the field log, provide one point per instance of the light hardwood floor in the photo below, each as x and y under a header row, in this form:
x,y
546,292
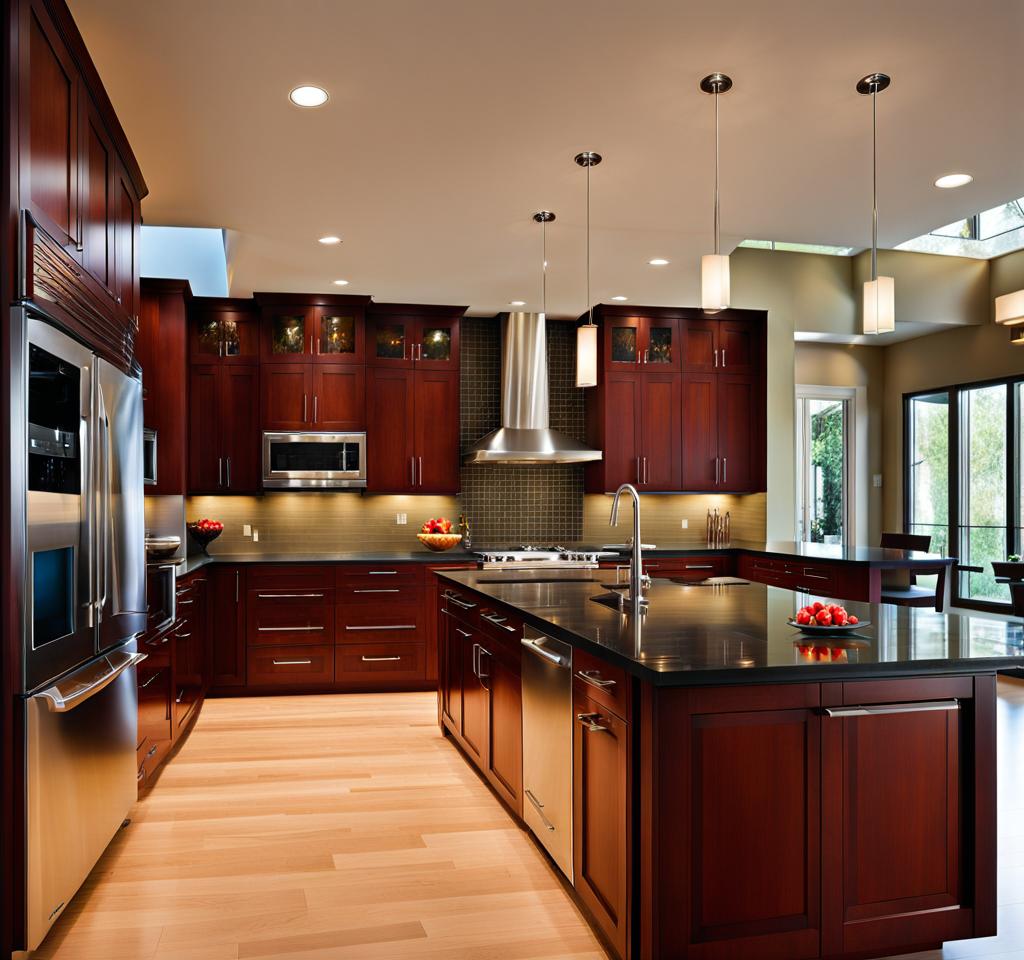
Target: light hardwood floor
x,y
315,828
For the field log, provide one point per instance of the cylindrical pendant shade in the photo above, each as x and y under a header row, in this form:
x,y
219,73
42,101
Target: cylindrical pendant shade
x,y
1010,308
714,281
880,305
586,355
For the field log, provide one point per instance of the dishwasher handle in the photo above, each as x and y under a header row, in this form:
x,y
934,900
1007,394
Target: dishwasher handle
x,y
533,645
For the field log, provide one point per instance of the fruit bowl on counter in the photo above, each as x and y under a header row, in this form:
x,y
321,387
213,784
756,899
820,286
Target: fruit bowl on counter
x,y
204,532
437,535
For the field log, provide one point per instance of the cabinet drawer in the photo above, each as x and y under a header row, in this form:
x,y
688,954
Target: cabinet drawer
x,y
503,625
290,576
692,568
602,681
461,604
293,665
379,591
378,574
290,616
379,623
381,664
814,578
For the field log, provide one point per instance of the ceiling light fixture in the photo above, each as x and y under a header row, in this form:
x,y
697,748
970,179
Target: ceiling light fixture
x,y
658,262
517,303
341,283
329,241
586,334
714,267
879,292
1010,309
952,180
308,95
620,299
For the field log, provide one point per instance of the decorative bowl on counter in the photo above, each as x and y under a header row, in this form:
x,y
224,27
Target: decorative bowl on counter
x,y
439,541
204,532
161,548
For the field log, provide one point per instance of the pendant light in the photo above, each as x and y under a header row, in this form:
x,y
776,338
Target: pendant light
x,y
714,267
544,217
586,334
879,292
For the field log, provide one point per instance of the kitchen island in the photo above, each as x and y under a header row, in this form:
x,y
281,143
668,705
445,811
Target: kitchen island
x,y
739,788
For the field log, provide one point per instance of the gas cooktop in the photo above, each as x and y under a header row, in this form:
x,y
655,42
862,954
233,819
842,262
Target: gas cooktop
x,y
530,557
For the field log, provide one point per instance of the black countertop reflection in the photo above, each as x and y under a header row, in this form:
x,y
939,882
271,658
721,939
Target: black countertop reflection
x,y
693,635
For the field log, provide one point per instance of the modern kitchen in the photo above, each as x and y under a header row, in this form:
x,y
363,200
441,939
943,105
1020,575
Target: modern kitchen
x,y
537,481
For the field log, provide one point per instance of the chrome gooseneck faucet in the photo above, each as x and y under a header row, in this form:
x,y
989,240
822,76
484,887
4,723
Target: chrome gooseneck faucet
x,y
636,568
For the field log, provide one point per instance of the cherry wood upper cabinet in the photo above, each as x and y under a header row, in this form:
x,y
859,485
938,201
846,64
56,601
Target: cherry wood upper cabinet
x,y
98,165
700,465
410,335
390,419
740,342
659,427
205,467
339,397
321,328
338,335
436,433
127,219
224,441
287,396
223,330
700,345
739,405
641,341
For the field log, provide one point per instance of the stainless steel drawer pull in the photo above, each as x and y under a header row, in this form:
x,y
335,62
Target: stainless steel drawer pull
x,y
288,629
699,566
498,622
378,659
289,596
142,686
184,603
380,590
292,663
152,750
589,721
593,677
383,573
385,626
459,603
183,636
883,709
463,633
816,576
180,696
539,807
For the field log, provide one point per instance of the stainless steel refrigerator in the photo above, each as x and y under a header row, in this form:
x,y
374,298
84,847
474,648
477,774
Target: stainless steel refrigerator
x,y
84,606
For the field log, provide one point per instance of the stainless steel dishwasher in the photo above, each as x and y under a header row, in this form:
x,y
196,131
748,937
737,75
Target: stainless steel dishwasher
x,y
547,744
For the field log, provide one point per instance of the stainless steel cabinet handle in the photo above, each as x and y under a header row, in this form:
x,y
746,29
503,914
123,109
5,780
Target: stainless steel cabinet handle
x,y
382,573
289,596
303,408
593,677
220,471
589,721
723,358
476,652
309,628
483,652
539,807
716,356
383,626
316,406
183,636
883,709
716,471
463,633
459,603
378,659
227,462
144,685
646,474
540,651
419,461
238,577
699,566
185,603
380,590
498,622
638,480
291,663
725,469
152,750
412,471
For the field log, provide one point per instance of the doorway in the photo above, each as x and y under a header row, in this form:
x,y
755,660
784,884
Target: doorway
x,y
824,453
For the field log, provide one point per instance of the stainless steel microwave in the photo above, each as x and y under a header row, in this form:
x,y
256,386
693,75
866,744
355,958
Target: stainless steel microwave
x,y
316,461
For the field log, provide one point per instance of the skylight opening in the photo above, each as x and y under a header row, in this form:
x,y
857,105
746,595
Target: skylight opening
x,y
988,234
196,254
783,245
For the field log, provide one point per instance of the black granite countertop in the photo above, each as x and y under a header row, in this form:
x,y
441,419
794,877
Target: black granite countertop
x,y
194,563
694,635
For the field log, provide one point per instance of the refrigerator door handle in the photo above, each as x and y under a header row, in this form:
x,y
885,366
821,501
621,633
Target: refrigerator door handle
x,y
104,518
62,701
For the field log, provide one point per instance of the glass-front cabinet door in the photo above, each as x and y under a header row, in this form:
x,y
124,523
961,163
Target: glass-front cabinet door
x,y
391,341
622,342
287,334
437,343
661,343
218,334
338,336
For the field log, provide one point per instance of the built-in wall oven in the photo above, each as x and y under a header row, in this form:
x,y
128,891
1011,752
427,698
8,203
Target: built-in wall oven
x,y
149,457
317,461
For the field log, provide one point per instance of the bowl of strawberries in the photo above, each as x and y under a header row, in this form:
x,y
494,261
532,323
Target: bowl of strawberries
x,y
437,535
826,618
205,531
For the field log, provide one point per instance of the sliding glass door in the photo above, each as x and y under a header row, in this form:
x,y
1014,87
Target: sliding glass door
x,y
928,468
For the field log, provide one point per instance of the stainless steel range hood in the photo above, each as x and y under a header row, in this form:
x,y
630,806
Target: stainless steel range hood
x,y
525,435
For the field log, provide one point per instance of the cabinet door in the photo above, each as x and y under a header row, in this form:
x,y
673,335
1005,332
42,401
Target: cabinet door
x,y
660,429
601,758
390,415
700,432
205,460
49,160
451,668
223,336
623,347
391,341
700,346
227,626
622,448
660,344
288,334
240,429
738,343
501,673
892,879
287,396
339,397
737,419
475,706
436,436
338,335
437,344
127,219
97,176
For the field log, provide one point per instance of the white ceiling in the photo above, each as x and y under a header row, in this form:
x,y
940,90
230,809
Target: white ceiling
x,y
451,121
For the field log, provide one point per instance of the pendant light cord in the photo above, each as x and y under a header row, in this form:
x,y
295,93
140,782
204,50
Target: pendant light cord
x,y
544,267
717,216
590,308
874,185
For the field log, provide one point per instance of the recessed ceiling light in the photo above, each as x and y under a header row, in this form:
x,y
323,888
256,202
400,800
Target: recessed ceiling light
x,y
341,283
308,95
620,298
658,262
329,241
951,180
517,303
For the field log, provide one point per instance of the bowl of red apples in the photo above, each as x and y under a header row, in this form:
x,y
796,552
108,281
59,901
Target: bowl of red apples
x,y
437,535
826,618
205,531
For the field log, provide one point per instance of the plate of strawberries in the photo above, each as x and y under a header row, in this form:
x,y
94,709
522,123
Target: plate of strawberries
x,y
825,619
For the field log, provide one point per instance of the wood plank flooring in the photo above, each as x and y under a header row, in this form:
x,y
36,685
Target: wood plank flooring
x,y
323,827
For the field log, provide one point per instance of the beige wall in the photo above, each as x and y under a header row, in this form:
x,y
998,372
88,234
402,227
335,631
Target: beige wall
x,y
841,365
